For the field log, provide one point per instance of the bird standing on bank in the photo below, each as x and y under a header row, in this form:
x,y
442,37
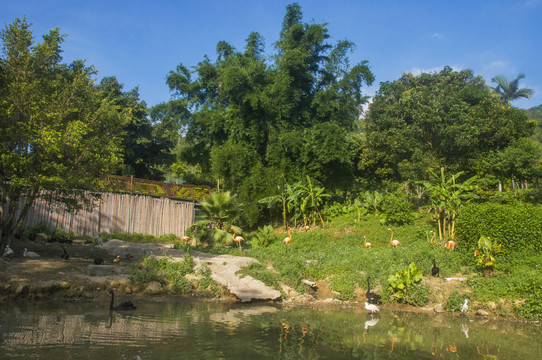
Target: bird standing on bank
x,y
371,296
435,270
237,239
393,242
287,239
464,307
372,308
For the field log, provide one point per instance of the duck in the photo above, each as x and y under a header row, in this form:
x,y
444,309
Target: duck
x,y
116,260
434,270
371,296
128,305
98,261
129,256
30,254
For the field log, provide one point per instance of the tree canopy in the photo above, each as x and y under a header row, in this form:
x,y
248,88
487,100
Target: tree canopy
x,y
449,119
252,121
58,132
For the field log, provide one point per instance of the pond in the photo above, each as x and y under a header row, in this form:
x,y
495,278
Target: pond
x,y
196,330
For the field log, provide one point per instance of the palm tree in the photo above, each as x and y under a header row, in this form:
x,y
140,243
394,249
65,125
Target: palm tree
x,y
508,91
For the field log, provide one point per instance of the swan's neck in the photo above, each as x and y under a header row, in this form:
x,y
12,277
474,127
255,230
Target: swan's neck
x,y
112,300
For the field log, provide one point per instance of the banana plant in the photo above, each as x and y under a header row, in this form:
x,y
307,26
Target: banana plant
x,y
314,197
487,248
447,198
403,280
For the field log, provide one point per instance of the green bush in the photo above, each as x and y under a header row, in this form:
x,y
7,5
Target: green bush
x,y
531,309
454,301
397,210
516,226
406,279
418,295
165,271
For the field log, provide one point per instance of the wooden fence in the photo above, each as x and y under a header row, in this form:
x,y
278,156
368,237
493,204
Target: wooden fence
x,y
113,212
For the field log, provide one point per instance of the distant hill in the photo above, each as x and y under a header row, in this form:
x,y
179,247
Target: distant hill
x,y
535,113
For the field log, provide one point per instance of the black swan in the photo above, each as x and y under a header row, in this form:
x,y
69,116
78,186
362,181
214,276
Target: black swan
x,y
128,305
64,256
371,296
435,270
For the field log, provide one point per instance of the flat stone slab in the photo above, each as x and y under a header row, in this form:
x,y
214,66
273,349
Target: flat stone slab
x,y
223,267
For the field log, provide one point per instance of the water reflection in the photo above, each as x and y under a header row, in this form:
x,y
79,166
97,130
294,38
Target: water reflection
x,y
224,331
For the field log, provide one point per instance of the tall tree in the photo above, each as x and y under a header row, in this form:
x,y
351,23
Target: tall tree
x,y
255,119
509,90
58,132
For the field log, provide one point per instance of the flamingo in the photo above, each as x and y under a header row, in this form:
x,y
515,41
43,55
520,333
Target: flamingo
x,y
287,239
237,239
450,245
431,231
31,254
393,242
372,308
184,239
306,227
365,243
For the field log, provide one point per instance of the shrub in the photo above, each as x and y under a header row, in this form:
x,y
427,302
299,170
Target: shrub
x,y
418,295
397,210
454,301
165,271
400,284
531,309
516,226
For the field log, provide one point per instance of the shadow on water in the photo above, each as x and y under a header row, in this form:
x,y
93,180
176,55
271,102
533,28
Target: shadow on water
x,y
267,331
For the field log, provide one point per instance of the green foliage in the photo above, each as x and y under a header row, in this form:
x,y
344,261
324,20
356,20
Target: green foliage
x,y
396,210
400,284
139,238
418,295
259,272
531,308
58,131
165,271
487,248
509,90
454,301
344,286
447,119
515,226
265,236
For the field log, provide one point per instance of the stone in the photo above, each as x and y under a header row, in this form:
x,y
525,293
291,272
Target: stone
x,y
438,308
154,287
482,312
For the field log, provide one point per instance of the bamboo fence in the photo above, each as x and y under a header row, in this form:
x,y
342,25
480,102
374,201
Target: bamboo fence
x,y
120,213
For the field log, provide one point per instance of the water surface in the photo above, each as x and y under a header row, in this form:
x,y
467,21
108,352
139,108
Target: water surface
x,y
189,330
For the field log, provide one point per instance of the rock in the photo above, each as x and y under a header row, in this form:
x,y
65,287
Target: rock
x,y
154,287
21,289
482,312
438,308
492,305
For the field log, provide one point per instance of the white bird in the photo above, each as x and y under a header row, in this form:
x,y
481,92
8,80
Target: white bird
x,y
30,253
465,307
372,308
99,239
8,251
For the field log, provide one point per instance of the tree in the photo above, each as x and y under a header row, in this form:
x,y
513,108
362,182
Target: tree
x,y
147,146
509,91
445,119
287,117
58,132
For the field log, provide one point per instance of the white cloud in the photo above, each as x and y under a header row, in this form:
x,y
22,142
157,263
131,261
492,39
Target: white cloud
x,y
437,35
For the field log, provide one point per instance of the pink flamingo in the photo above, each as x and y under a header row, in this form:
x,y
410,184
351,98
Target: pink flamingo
x,y
393,242
287,239
365,243
450,245
237,239
433,238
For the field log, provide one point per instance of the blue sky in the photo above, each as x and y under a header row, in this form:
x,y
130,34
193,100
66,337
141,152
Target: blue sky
x,y
139,42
